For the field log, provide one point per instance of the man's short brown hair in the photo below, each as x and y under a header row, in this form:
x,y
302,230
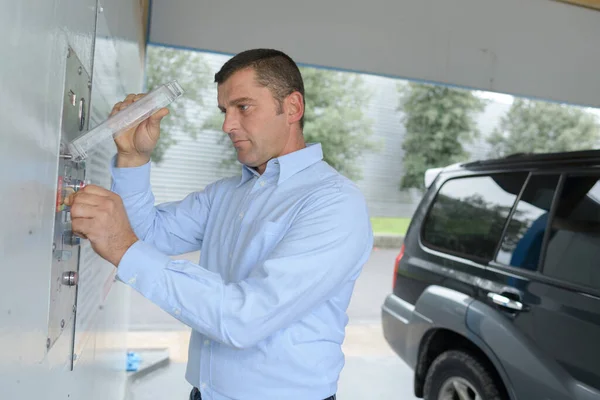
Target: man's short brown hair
x,y
274,69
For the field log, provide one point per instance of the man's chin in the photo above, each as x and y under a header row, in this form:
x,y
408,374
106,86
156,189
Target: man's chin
x,y
247,162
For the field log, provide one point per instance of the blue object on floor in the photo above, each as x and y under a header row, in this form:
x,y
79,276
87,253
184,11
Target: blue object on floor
x,y
133,361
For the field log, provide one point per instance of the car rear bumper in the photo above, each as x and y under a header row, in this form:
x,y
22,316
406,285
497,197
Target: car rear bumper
x,y
396,317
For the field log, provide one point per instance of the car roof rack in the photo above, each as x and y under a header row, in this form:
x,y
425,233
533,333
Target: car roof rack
x,y
520,159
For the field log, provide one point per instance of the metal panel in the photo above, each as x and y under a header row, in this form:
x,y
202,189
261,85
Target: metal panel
x,y
71,177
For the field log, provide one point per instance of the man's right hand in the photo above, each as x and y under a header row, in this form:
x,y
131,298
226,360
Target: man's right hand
x,y
135,146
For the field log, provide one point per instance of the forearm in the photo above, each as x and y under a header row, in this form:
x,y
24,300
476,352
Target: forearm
x,y
173,228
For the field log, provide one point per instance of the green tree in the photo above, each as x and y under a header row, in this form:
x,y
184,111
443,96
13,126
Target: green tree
x,y
438,121
540,127
334,116
189,68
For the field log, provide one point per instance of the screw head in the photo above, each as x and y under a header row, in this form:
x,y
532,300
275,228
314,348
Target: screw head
x,y
74,308
79,70
62,323
48,343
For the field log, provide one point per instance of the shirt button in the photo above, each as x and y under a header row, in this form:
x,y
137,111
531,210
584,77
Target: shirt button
x,y
203,386
242,215
177,311
262,183
230,255
206,342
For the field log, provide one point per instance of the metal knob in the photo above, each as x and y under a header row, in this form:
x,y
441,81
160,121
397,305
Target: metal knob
x,y
69,278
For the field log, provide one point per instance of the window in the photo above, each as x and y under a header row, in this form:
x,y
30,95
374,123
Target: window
x,y
522,243
468,215
574,242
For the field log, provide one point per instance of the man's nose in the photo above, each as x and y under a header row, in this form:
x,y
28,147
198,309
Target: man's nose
x,y
230,123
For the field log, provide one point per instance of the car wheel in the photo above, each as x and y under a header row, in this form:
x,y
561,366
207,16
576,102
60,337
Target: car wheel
x,y
457,375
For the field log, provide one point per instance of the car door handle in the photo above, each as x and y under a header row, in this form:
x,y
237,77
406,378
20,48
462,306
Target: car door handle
x,y
506,302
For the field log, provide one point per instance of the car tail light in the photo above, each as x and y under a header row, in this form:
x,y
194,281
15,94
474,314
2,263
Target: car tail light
x,y
398,258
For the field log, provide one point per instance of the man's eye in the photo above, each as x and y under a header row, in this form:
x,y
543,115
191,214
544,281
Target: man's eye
x,y
244,107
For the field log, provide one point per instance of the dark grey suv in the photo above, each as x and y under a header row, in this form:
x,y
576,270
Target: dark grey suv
x,y
496,291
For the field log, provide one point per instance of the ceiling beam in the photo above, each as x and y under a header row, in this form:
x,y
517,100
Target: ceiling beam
x,y
595,4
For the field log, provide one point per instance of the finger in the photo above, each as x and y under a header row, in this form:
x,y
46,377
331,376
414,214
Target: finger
x,y
96,190
83,226
127,101
155,118
138,96
83,210
115,108
85,198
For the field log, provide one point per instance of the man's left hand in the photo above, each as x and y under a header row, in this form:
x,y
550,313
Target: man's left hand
x,y
98,215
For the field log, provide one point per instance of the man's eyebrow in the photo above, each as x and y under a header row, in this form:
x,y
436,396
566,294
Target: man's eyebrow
x,y
238,101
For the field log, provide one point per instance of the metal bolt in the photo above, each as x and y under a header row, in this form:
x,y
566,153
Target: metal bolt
x,y
53,246
48,343
79,70
69,278
89,84
62,323
74,308
101,9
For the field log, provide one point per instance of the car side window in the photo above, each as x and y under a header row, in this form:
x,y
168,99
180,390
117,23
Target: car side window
x,y
522,243
573,251
468,214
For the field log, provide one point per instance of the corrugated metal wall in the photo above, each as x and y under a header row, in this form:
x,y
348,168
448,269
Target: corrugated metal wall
x,y
192,164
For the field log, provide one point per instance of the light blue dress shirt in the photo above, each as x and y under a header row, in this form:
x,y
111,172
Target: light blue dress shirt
x,y
280,253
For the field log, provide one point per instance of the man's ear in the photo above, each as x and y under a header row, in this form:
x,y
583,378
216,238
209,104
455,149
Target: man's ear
x,y
294,107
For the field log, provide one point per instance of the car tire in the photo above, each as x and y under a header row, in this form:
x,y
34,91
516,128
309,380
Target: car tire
x,y
457,371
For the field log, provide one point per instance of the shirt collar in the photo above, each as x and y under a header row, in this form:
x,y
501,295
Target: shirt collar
x,y
289,164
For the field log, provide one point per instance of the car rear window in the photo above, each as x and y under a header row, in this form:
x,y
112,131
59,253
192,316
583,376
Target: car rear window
x,y
574,242
522,243
468,214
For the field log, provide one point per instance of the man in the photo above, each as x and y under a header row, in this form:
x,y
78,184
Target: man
x,y
281,245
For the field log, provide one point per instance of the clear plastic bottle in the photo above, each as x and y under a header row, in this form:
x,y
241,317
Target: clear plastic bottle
x,y
124,120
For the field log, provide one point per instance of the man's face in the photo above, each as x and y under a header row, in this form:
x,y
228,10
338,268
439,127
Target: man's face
x,y
256,126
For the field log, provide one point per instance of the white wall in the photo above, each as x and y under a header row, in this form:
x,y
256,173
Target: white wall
x,y
533,48
33,47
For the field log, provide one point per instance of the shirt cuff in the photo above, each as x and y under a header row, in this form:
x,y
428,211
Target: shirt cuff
x,y
141,266
130,180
